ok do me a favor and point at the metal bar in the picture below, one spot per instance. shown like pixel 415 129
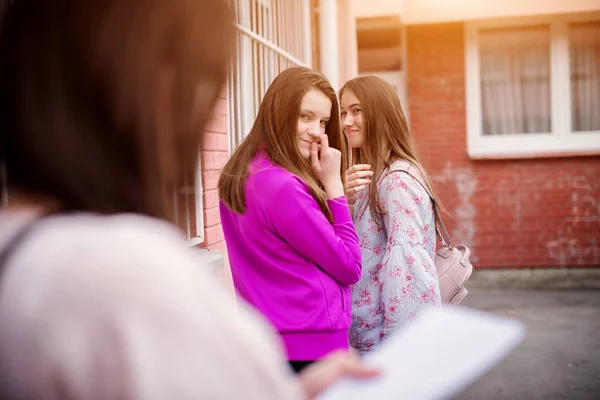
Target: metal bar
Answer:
pixel 186 196
pixel 175 207
pixel 307 33
pixel 199 203
pixel 256 87
pixel 288 20
pixel 329 41
pixel 271 25
pixel 270 41
pixel 270 45
pixel 264 31
pixel 297 26
pixel 280 34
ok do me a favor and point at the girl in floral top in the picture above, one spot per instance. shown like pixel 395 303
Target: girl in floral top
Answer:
pixel 394 218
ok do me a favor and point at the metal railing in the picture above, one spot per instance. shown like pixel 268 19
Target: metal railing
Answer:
pixel 272 35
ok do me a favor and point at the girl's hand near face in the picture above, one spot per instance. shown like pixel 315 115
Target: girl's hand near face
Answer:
pixel 357 178
pixel 326 163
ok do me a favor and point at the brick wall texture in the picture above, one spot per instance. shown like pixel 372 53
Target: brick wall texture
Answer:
pixel 214 156
pixel 539 212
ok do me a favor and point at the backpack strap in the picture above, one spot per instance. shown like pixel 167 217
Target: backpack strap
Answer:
pixel 440 228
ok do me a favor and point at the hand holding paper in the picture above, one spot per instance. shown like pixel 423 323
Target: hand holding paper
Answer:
pixel 440 354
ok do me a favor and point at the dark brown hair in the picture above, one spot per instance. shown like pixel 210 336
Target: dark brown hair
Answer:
pixel 103 103
pixel 387 135
pixel 274 131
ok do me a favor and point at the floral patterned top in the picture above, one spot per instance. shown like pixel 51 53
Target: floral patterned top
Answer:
pixel 399 278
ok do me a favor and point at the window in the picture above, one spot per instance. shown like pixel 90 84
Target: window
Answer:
pixel 187 207
pixel 382 52
pixel 584 63
pixel 533 86
pixel 272 35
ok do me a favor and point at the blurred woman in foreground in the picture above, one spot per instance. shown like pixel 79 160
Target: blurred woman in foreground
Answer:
pixel 102 106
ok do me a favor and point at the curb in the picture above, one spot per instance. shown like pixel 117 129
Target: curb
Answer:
pixel 536 278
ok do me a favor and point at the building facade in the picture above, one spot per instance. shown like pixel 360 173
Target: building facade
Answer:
pixel 503 98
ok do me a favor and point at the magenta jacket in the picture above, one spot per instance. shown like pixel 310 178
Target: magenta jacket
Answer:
pixel 291 263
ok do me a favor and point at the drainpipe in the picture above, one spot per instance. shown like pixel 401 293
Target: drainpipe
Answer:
pixel 328 29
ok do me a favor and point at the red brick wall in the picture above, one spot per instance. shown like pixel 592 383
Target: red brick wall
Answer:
pixel 511 213
pixel 214 156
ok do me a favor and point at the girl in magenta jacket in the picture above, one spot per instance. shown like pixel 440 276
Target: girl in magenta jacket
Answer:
pixel 292 246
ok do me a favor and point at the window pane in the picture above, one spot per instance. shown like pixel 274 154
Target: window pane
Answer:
pixel 515 80
pixel 279 22
pixel 584 54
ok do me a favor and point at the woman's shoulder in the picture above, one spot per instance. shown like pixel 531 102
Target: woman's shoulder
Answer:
pixel 127 230
pixel 402 175
pixel 403 166
pixel 106 264
pixel 83 245
pixel 132 280
pixel 83 226
pixel 99 261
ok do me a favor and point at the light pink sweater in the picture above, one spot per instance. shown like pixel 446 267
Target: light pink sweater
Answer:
pixel 119 308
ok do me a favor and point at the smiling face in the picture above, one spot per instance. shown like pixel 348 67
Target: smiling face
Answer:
pixel 315 112
pixel 352 120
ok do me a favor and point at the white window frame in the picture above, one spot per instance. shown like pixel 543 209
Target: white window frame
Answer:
pixel 199 209
pixel 561 141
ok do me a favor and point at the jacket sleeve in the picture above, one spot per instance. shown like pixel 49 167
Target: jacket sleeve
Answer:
pixel 333 247
pixel 409 278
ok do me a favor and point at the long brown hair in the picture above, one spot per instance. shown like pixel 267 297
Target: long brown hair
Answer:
pixel 388 137
pixel 103 103
pixel 274 132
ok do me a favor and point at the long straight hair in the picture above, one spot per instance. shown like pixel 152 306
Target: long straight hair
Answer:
pixel 103 103
pixel 275 132
pixel 388 138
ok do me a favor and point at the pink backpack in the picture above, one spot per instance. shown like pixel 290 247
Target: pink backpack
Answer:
pixel 451 262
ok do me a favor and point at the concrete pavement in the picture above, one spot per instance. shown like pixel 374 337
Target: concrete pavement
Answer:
pixel 560 356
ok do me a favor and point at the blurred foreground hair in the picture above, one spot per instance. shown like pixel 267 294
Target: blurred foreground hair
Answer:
pixel 103 102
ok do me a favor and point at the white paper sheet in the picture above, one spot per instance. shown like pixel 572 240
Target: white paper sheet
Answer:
pixel 440 354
